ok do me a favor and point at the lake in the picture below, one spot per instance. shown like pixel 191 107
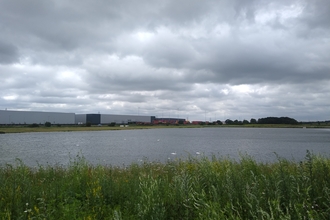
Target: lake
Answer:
pixel 133 146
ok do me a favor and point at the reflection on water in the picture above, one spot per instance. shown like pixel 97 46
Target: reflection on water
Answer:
pixel 126 147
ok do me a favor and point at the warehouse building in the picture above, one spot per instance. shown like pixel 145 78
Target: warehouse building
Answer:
pixel 96 119
pixel 31 117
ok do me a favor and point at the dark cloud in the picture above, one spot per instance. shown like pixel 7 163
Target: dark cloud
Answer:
pixel 316 14
pixel 8 53
pixel 197 59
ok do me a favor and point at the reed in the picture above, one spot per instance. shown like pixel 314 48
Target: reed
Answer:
pixel 197 188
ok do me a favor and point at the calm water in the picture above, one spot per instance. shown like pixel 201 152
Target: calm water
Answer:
pixel 125 147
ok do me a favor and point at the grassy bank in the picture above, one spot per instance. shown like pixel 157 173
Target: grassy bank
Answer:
pixel 216 188
pixel 25 129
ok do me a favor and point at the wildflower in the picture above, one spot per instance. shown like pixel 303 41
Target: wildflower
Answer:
pixel 36 209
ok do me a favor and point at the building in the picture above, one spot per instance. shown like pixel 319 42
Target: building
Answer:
pixel 96 119
pixel 198 122
pixel 30 117
pixel 169 121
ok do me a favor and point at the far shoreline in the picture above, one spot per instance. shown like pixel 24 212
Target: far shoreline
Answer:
pixel 74 128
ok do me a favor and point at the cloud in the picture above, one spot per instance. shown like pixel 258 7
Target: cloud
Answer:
pixel 8 53
pixel 194 59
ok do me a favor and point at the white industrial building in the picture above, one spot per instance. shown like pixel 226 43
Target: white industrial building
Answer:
pixel 110 118
pixel 31 117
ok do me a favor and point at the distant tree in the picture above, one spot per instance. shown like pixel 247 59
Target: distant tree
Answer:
pixel 229 122
pixel 88 124
pixel 276 120
pixel 253 121
pixel 219 122
pixel 237 122
pixel 245 122
pixel 48 124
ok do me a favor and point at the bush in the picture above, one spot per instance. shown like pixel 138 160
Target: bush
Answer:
pixel 219 122
pixel 34 125
pixel 48 124
pixel 112 124
pixel 88 124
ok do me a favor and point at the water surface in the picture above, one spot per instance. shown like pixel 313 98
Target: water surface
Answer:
pixel 128 146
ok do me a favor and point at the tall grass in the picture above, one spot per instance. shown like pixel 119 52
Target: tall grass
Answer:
pixel 216 188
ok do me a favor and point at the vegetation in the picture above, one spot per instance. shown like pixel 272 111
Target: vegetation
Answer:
pixel 268 120
pixel 66 128
pixel 112 124
pixel 48 124
pixel 34 125
pixel 216 188
pixel 275 120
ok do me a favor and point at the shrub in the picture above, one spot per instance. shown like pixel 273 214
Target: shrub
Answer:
pixel 34 125
pixel 88 124
pixel 48 124
pixel 112 124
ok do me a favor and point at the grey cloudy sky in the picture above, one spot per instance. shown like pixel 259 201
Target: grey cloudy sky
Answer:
pixel 212 59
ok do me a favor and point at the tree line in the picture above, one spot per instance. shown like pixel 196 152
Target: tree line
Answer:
pixel 267 120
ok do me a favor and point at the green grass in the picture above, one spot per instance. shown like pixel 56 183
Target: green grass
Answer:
pixel 216 188
pixel 24 129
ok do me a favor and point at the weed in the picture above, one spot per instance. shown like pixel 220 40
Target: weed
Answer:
pixel 203 188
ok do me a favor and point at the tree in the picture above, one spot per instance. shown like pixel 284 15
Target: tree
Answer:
pixel 237 122
pixel 88 124
pixel 276 120
pixel 48 124
pixel 229 122
pixel 245 122
pixel 253 121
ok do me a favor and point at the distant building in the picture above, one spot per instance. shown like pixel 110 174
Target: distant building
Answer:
pixel 169 121
pixel 31 117
pixel 96 119
pixel 197 122
pixel 38 117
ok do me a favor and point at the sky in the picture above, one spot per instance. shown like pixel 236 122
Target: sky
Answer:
pixel 198 60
